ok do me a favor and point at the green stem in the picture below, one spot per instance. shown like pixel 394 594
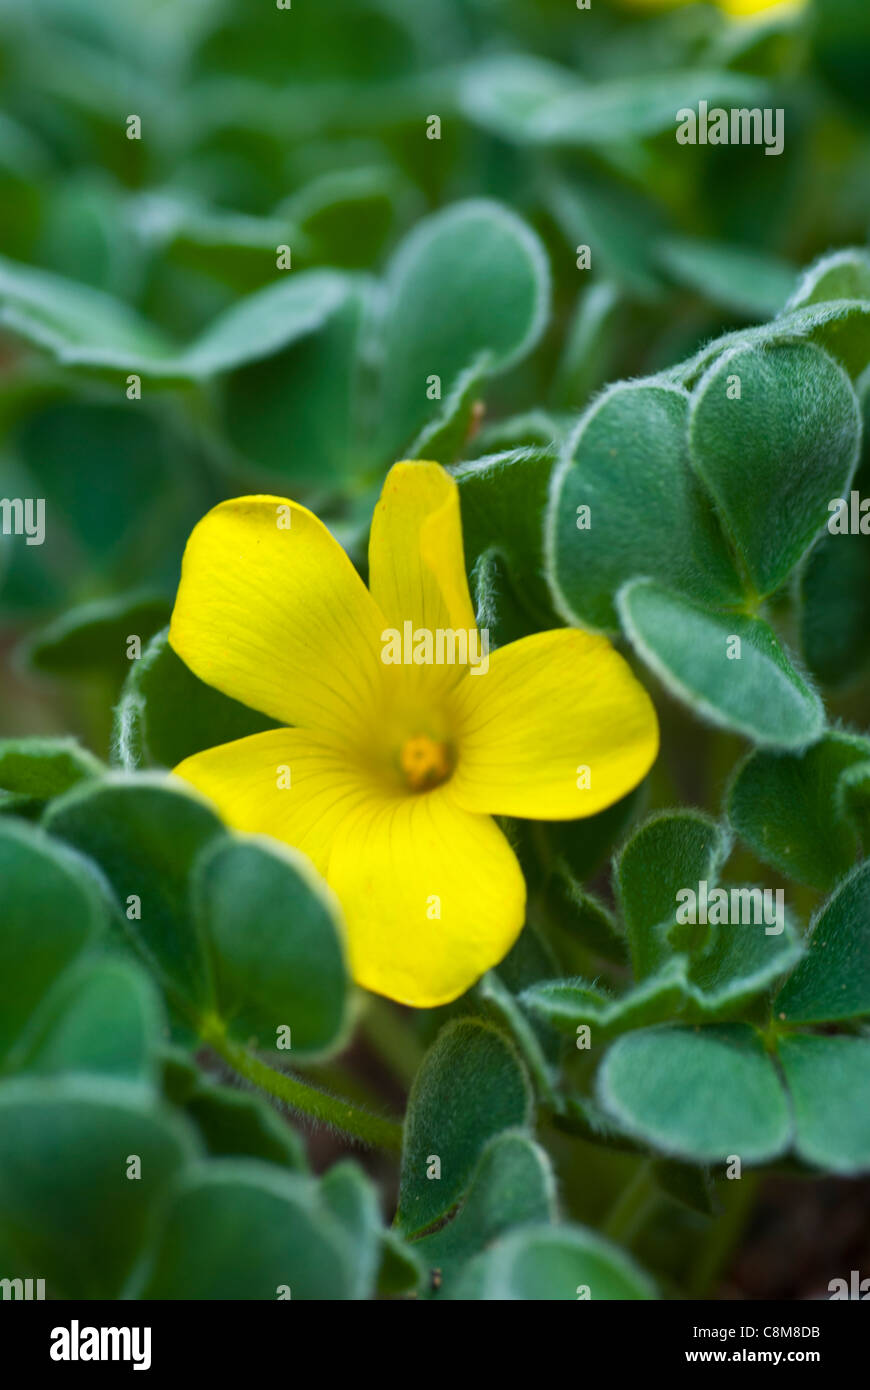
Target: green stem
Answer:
pixel 632 1206
pixel 309 1100
pixel 724 1237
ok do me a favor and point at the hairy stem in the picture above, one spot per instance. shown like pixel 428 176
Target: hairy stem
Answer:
pixel 326 1109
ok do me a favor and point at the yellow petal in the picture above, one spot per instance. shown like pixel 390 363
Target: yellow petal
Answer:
pixel 433 897
pixel 416 557
pixel 549 707
pixel 276 616
pixel 285 782
pixel 743 8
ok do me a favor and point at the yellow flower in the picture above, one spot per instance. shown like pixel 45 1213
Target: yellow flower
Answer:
pixel 739 9
pixel 391 774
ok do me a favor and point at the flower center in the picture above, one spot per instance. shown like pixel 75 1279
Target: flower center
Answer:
pixel 425 762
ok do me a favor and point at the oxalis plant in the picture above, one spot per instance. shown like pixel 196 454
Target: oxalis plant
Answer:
pixel 350 820
pixel 460 891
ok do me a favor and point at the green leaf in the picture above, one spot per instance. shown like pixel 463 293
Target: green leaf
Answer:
pixel 44 767
pixel 76 323
pixel 840 327
pixel 69 1213
pixel 773 457
pixel 835 586
pixel 746 281
pixel 512 1186
pixel 505 92
pixel 238 1229
pixel 51 910
pixel 835 607
pixel 468 280
pixel 238 1124
pixel 467 1058
pixel 569 1004
pixel 147 487
pixel 502 499
pixel 833 979
pixel 670 851
pixel 627 462
pixel 401 1270
pixel 582 916
pixel 273 939
pixel 590 346
pixel 840 33
pixel 83 327
pixel 829 1082
pixel 618 226
pixel 604 113
pixel 497 607
pixel 840 275
pixel 499 1000
pixel 584 845
pixel 760 695
pixel 698 1094
pixel 346 215
pixel 352 1198
pixel 102 1018
pixel 166 713
pixel 94 636
pixel 784 805
pixel 532 429
pixel 235 248
pixel 444 437
pixel 294 414
pixel 557 1263
pixel 144 832
pixel 179 1074
pixel 745 956
pixel 853 799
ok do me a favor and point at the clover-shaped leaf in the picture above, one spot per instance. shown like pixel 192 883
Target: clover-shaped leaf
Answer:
pixel 39 768
pixel 833 980
pixel 468 280
pixel 554 1264
pixel 239 1124
pixel 94 1124
pixel 166 713
pixel 144 834
pixel 84 327
pixel 623 493
pixel 671 851
pixel 784 805
pixel 52 909
pixel 698 1094
pixel 774 435
pixel 273 939
pixel 442 1136
pixel 730 669
pixel 513 1185
pixel 828 1079
pixel 103 1018
pixel 241 1229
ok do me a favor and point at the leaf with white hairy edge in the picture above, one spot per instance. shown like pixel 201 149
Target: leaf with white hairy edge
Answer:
pixel 625 502
pixel 774 434
pixel 470 279
pixel 761 695
pixel 697 1093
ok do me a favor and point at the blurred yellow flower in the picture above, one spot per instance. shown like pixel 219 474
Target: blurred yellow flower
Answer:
pixel 739 9
pixel 397 761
